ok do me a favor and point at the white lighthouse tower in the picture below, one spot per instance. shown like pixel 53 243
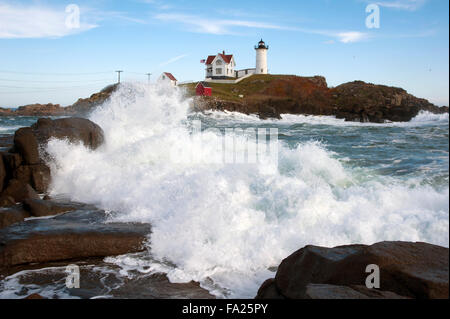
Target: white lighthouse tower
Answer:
pixel 261 57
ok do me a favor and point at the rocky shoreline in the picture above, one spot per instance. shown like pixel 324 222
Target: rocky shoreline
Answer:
pixel 82 107
pixel 358 101
pixel 269 96
pixel 37 231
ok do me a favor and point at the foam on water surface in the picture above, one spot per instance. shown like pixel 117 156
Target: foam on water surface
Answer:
pixel 224 225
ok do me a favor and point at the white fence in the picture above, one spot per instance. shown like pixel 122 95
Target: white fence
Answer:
pixel 228 81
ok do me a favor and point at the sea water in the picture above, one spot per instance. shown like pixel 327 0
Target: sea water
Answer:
pixel 227 225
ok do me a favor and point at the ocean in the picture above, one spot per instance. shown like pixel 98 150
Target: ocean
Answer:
pixel 228 224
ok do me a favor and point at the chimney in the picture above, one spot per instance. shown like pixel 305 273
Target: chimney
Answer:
pixel 223 52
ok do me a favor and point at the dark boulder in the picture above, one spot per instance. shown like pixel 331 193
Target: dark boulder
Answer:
pixel 269 290
pixel 416 270
pixel 6 200
pixel 2 173
pixel 74 129
pixel 24 162
pixel 323 291
pixel 12 215
pixel 11 161
pixel 38 176
pixel 25 143
pixel 40 207
pixel 20 191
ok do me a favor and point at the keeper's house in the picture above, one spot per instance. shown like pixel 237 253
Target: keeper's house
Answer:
pixel 220 66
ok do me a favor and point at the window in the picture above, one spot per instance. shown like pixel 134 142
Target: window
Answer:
pixel 262 70
pixel 219 71
pixel 219 62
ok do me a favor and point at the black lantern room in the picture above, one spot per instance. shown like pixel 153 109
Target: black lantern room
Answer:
pixel 261 45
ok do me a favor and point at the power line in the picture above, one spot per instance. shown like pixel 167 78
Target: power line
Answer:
pixel 57 74
pixel 56 81
pixel 44 88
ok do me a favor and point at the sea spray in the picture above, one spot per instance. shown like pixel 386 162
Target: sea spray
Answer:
pixel 226 224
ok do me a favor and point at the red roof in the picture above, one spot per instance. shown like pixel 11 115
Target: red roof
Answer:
pixel 170 76
pixel 204 84
pixel 226 57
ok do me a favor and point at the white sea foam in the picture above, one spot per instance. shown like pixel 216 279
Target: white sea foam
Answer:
pixel 423 118
pixel 224 225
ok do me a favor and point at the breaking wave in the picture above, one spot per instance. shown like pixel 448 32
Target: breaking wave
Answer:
pixel 225 225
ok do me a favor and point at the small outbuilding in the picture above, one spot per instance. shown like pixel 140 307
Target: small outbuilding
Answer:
pixel 167 77
pixel 203 89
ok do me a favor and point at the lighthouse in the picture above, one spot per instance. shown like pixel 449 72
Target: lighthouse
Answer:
pixel 261 57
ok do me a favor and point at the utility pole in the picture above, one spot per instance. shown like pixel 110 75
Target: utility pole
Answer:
pixel 118 76
pixel 149 75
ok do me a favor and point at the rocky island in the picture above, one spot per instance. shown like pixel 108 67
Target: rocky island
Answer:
pixel 269 96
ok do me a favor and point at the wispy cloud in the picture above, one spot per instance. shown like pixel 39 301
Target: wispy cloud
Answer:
pixel 172 60
pixel 340 36
pixel 19 21
pixel 212 26
pixel 228 26
pixel 161 5
pixel 410 5
pixel 351 36
pixel 100 15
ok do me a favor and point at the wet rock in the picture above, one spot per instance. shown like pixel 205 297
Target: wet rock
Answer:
pixel 74 129
pixel 12 215
pixel 25 143
pixel 74 235
pixel 99 279
pixel 40 208
pixel 20 191
pixel 2 174
pixel 269 290
pixel 23 162
pixel 6 200
pixel 416 270
pixel 11 161
pixel 38 176
pixel 323 291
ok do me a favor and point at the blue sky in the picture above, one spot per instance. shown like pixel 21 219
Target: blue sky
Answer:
pixel 43 60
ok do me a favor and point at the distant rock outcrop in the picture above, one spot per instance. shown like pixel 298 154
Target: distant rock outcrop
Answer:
pixel 269 96
pixel 407 270
pixel 80 108
pixel 365 102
